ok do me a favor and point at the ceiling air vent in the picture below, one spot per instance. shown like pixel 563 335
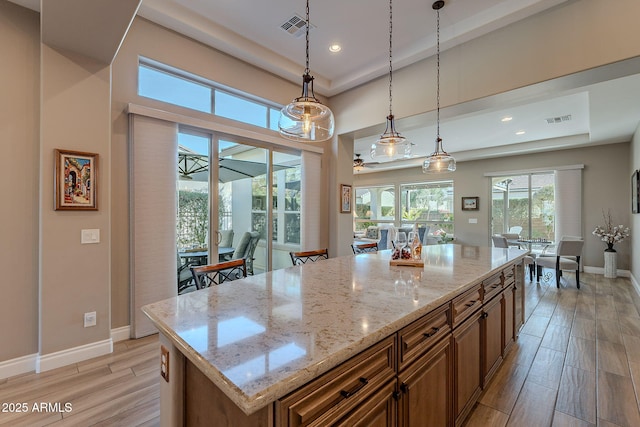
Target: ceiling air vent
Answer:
pixel 558 119
pixel 295 26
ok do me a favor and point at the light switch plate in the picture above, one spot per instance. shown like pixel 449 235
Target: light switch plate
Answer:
pixel 164 363
pixel 90 236
pixel 473 220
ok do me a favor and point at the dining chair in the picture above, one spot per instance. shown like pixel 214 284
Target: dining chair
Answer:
pixel 567 257
pixel 302 257
pixel 215 274
pixel 362 248
pixel 502 242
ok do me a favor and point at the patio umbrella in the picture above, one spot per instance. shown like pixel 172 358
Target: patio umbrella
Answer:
pixel 196 167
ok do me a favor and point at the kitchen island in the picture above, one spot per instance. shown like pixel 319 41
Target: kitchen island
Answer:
pixel 254 351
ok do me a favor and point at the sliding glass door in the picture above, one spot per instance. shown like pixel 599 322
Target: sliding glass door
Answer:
pixel 524 204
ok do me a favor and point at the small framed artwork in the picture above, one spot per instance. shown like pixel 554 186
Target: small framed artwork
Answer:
pixel 345 198
pixel 75 181
pixel 470 203
pixel 635 192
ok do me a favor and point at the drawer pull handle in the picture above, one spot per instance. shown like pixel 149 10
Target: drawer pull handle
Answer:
pixel 485 315
pixel 347 394
pixel 469 304
pixel 431 333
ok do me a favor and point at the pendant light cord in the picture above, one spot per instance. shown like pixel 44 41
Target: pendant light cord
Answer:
pixel 390 55
pixel 438 74
pixel 307 70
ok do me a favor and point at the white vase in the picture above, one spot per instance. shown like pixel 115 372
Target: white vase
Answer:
pixel 610 265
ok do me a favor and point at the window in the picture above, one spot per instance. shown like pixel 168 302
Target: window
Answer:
pixel 160 85
pixel 166 84
pixel 429 203
pixel 524 204
pixel 374 206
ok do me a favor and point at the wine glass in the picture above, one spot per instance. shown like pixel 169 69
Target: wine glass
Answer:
pixel 401 239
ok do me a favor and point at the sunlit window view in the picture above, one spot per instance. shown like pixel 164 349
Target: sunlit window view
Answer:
pixel 524 205
pixel 249 211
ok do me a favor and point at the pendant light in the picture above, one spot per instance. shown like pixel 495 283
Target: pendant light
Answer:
pixel 358 163
pixel 391 145
pixel 439 161
pixel 305 118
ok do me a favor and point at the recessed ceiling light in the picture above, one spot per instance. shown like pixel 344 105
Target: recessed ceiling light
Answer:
pixel 335 48
pixel 520 132
pixel 507 119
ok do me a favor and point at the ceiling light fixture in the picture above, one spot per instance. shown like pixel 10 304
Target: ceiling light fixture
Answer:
pixel 439 161
pixel 391 145
pixel 358 163
pixel 305 118
pixel 506 119
pixel 335 48
pixel 520 132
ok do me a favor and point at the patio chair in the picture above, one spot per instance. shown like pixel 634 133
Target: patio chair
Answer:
pixel 184 275
pixel 215 274
pixel 246 248
pixel 302 257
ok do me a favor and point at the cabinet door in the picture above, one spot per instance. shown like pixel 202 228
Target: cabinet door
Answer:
pixel 519 297
pixel 425 389
pixel 491 338
pixel 380 410
pixel 509 319
pixel 467 369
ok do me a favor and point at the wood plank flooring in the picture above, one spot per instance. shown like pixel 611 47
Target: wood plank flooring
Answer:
pixel 576 363
pixel 119 389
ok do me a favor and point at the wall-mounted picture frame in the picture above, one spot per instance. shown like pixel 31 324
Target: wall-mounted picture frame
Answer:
pixel 75 181
pixel 345 198
pixel 470 203
pixel 635 192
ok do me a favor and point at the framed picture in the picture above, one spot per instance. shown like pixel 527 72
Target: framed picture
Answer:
pixel 470 203
pixel 345 198
pixel 635 192
pixel 75 181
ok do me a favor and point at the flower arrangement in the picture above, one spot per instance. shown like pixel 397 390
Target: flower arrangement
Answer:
pixel 611 234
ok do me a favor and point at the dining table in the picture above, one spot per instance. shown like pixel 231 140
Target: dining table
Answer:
pixel 200 257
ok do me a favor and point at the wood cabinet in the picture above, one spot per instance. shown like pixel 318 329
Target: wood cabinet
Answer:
pixel 509 303
pixel 492 336
pixel 466 359
pixel 425 389
pixel 379 410
pixel 332 396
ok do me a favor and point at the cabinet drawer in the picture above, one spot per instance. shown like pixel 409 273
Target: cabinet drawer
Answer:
pixel 462 306
pixel 422 334
pixel 509 275
pixel 335 393
pixel 491 287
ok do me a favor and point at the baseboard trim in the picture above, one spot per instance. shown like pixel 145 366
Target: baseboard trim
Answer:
pixel 73 355
pixel 121 334
pixel 17 366
pixel 600 271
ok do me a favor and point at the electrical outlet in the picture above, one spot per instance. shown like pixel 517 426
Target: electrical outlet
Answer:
pixel 90 319
pixel 164 363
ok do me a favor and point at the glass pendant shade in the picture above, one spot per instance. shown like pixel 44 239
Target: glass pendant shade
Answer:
pixel 391 145
pixel 306 118
pixel 439 161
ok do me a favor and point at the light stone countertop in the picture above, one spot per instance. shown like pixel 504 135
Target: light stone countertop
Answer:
pixel 262 337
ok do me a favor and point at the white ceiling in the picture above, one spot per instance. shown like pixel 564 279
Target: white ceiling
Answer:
pixel 603 105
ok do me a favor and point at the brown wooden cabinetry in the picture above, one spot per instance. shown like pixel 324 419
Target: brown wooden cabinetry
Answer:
pixel 491 338
pixel 379 410
pixel 509 303
pixel 466 370
pixel 425 389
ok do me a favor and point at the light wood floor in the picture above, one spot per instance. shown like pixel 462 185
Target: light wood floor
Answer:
pixel 576 363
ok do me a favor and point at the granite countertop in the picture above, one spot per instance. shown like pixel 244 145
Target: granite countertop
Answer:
pixel 262 337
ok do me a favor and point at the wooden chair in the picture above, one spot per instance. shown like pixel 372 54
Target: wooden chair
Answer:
pixel 215 274
pixel 362 248
pixel 299 258
pixel 567 258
